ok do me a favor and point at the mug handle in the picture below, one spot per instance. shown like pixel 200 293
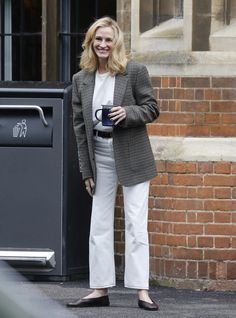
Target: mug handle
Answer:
pixel 96 114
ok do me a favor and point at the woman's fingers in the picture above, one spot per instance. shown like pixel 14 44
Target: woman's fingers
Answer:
pixel 117 114
pixel 89 185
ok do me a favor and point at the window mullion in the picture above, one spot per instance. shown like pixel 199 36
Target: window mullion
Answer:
pixel 7 41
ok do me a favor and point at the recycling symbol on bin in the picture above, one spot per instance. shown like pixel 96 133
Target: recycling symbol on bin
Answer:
pixel 20 129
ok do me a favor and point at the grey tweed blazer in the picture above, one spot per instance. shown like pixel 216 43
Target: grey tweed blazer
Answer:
pixel 134 159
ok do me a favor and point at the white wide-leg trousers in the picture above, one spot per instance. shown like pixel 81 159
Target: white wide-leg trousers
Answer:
pixel 101 241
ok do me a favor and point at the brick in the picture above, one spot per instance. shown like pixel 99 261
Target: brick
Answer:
pixel 231 270
pixel 161 165
pixel 228 119
pixel 223 131
pixel 164 107
pixel 188 204
pixel 223 107
pixel 234 217
pixel 234 167
pixel 191 269
pixel 199 119
pixel 181 167
pixel 205 241
pixel 218 229
pixel 185 180
pixel 222 242
pixel 157 251
pixel 173 192
pixel 165 93
pixel 222 167
pixel 213 94
pixel 178 81
pixel 166 118
pixel 222 193
pixel 172 106
pixel 172 82
pixel 234 193
pixel 158 239
pixel 205 192
pixel 204 217
pixel 151 203
pixel 233 242
pixel 175 269
pixel 166 227
pixel 195 106
pixel 220 255
pixel 195 82
pixel 178 106
pixel 227 82
pixel 165 251
pixel 199 94
pixel 195 131
pixel 184 94
pixel 174 216
pixel 192 241
pixel 220 205
pixel 219 180
pixel 161 179
pixel 188 229
pixel 212 119
pixel 202 270
pixel 187 253
pixel 212 270
pixel 221 270
pixel 229 94
pixel 156 81
pixel 176 240
pixel 192 192
pixel 182 118
pixel 164 81
pixel 191 217
pixel 152 226
pixel 162 130
pixel 222 217
pixel 205 167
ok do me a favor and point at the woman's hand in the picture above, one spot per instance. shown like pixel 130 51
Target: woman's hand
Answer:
pixel 117 114
pixel 89 185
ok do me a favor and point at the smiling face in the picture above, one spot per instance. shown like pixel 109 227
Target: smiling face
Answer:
pixel 103 43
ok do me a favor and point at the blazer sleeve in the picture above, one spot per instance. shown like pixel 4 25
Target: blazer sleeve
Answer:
pixel 146 109
pixel 80 131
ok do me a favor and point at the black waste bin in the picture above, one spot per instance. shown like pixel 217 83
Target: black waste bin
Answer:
pixel 44 209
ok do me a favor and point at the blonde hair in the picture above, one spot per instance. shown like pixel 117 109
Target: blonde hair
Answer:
pixel 117 61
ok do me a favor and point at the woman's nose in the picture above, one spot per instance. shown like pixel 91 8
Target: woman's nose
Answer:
pixel 103 43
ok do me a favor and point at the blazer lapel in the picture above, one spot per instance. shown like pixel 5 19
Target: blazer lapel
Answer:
pixel 87 98
pixel 120 87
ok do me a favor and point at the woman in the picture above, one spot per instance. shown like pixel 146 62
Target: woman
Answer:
pixel 111 154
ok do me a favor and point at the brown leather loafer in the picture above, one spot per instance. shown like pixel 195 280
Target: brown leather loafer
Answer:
pixel 102 301
pixel 148 306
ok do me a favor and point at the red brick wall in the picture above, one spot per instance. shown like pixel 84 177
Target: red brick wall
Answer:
pixel 192 217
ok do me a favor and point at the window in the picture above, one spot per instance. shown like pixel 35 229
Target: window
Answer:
pixel 75 19
pixel 154 12
pixel 41 39
pixel 21 27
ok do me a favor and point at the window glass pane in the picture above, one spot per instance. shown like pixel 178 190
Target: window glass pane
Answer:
pixel 81 17
pixel 26 58
pixel 26 15
pixel 26 45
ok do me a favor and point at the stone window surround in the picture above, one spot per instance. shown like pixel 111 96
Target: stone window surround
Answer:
pixel 176 52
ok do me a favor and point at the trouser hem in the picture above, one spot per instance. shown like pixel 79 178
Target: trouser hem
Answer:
pixel 104 286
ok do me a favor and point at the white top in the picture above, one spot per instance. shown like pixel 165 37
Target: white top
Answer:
pixel 103 95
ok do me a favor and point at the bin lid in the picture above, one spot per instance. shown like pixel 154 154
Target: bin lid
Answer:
pixel 34 88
